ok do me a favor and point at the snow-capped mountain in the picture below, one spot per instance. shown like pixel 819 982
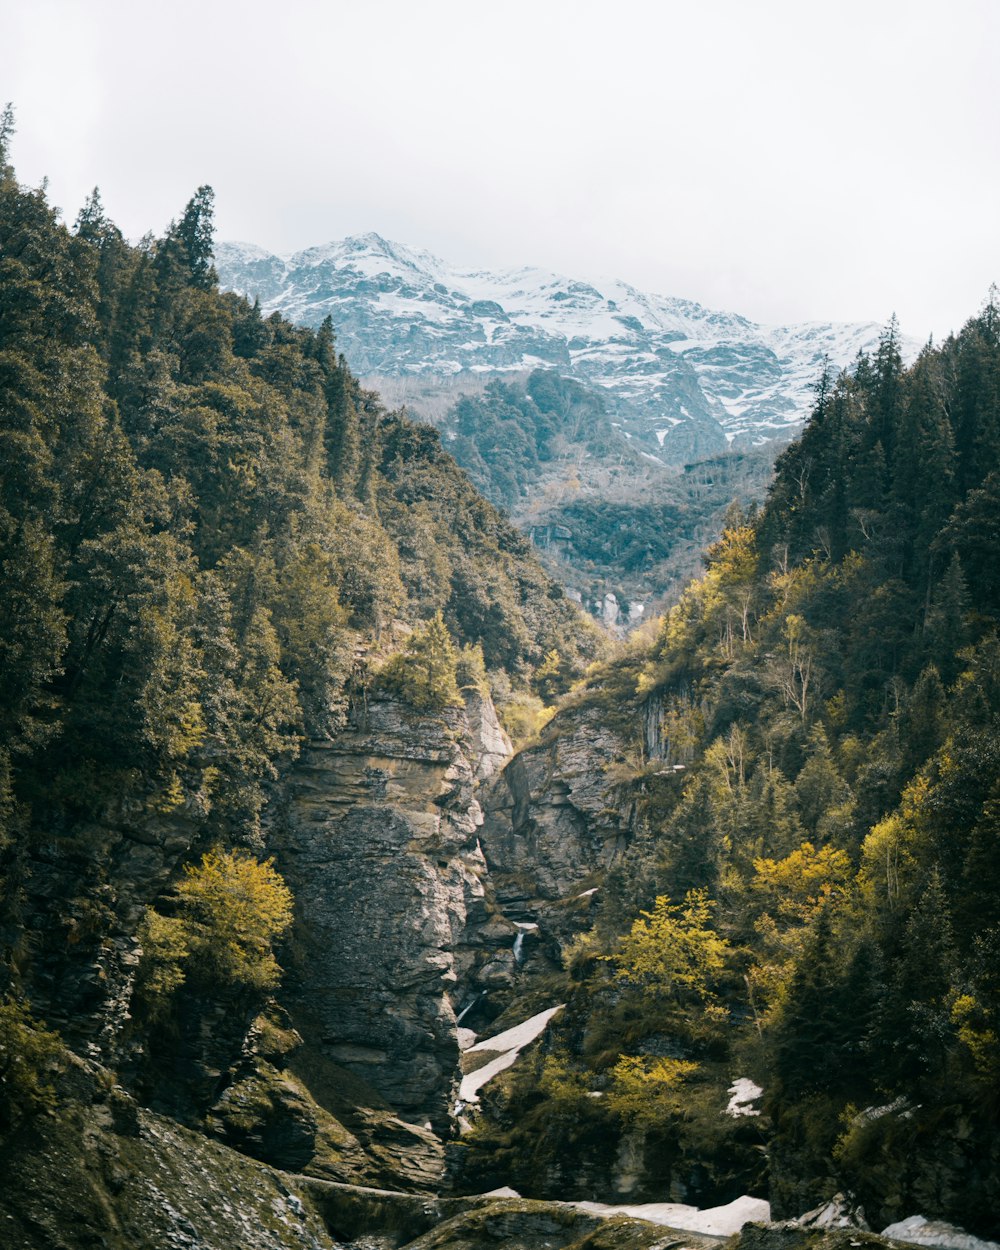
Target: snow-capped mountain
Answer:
pixel 681 380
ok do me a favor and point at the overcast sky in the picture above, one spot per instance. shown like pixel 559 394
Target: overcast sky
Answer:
pixel 779 158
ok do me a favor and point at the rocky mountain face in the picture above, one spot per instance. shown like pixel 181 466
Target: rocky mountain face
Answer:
pixel 408 900
pixel 681 382
pixel 548 822
pixel 411 906
pixel 378 840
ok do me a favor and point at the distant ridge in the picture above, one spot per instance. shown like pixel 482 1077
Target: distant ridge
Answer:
pixel 681 380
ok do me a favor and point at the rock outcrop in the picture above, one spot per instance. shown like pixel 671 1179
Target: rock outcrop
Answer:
pixel 104 1172
pixel 550 820
pixel 72 935
pixel 377 837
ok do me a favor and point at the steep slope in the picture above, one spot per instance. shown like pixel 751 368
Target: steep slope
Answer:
pixel 621 532
pixel 681 380
pixel 219 557
pixel 765 850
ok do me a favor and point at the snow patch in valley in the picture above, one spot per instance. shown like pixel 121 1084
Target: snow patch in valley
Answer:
pixel 742 1094
pixel 715 1221
pixel 510 1044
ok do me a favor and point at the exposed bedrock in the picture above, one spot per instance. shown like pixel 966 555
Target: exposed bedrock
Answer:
pixel 551 818
pixel 377 837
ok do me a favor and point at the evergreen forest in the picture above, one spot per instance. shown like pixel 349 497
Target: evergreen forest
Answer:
pixel 812 894
pixel 218 550
pixel 211 535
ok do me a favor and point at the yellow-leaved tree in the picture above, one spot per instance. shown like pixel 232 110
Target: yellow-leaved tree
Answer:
pixel 786 896
pixel 232 908
pixel 672 952
pixel 671 957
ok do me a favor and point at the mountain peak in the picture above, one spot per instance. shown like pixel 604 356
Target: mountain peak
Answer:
pixel 680 379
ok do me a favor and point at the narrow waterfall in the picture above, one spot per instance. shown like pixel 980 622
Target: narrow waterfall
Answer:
pixel 523 929
pixel 469 1006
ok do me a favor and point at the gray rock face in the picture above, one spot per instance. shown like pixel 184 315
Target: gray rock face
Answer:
pixel 378 842
pixel 549 822
pixel 82 902
pixel 103 1172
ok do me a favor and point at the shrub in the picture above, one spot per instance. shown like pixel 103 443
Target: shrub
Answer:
pixel 671 951
pixel 28 1051
pixel 644 1090
pixel 524 717
pixel 233 908
pixel 165 947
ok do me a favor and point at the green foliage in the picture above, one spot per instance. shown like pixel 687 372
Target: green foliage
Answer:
pixel 425 673
pixel 671 952
pixel 28 1054
pixel 205 524
pixel 470 669
pixel 524 716
pixel 165 946
pixel 647 1092
pixel 233 909
pixel 507 436
pixel 553 677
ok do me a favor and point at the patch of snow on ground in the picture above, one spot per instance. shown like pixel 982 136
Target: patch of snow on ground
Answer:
pixel 871 1114
pixel 715 1221
pixel 841 1211
pixel 923 1232
pixel 510 1044
pixel 742 1093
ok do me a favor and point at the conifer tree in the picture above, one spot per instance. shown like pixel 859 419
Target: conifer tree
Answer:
pixel 186 253
pixel 7 130
pixel 424 672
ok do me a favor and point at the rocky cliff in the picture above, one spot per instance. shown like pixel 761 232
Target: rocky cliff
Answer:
pixel 551 822
pixel 377 837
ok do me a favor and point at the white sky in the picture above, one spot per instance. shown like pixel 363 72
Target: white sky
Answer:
pixel 784 159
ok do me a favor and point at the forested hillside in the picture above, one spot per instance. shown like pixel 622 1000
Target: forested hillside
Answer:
pixel 607 518
pixel 204 517
pixel 212 541
pixel 811 777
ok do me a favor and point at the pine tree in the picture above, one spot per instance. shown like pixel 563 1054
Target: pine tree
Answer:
pixel 7 130
pixel 342 431
pixel 423 674
pixel 186 252
pixel 914 1021
pixel 807 1036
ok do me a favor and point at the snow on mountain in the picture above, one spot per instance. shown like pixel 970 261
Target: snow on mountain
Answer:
pixel 683 380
